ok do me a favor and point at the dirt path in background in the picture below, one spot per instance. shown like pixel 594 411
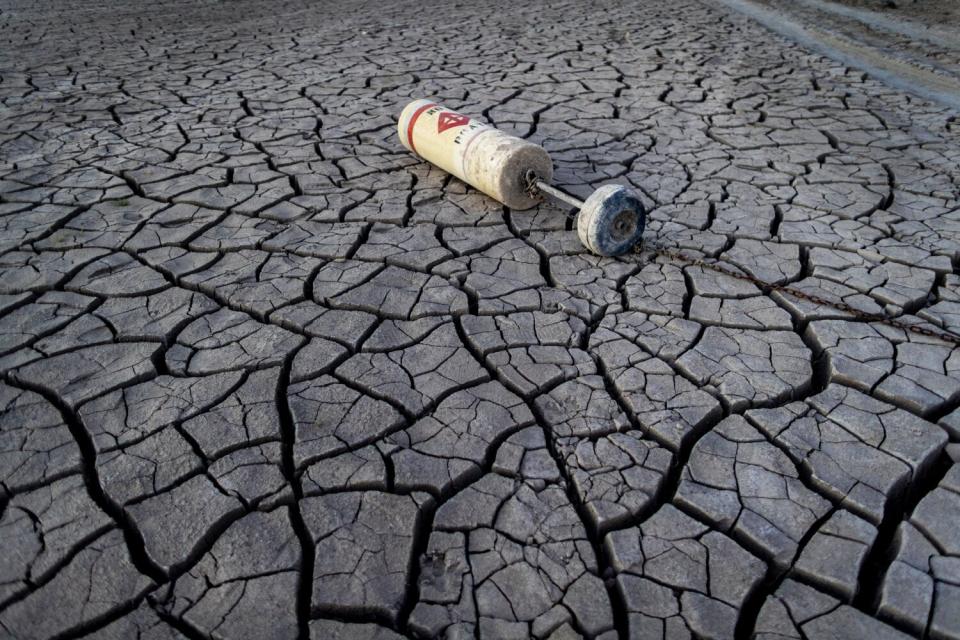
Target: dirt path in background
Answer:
pixel 894 54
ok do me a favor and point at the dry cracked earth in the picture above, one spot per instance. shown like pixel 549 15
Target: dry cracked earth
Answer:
pixel 267 375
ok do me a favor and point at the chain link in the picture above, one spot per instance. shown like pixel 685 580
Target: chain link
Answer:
pixel 677 256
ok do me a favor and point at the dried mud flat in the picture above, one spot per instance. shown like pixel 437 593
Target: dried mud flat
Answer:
pixel 266 375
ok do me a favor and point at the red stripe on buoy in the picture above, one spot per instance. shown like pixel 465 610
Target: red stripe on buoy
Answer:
pixel 413 121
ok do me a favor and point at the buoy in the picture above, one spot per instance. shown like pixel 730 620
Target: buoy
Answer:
pixel 488 159
pixel 516 173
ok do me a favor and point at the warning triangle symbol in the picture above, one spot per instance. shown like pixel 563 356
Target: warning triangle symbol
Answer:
pixel 449 119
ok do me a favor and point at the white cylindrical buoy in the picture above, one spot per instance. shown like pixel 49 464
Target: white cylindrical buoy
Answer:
pixel 490 160
pixel 517 173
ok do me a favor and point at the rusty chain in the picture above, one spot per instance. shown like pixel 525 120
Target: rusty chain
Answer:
pixel 531 178
pixel 719 267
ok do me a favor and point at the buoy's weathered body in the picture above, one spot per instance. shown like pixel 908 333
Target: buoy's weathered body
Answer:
pixel 480 155
pixel 516 172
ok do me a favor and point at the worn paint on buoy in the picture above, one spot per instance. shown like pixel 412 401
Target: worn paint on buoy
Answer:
pixel 488 159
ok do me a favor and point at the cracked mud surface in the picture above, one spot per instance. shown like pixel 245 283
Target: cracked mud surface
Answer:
pixel 265 374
